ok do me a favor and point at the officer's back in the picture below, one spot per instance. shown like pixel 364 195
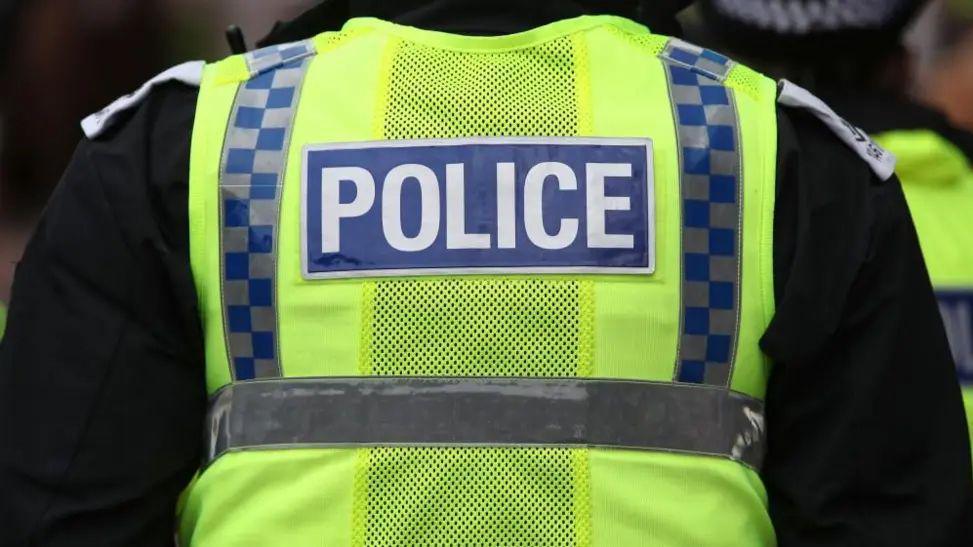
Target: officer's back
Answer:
pixel 499 290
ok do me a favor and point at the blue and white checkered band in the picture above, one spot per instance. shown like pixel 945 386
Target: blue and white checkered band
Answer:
pixel 702 61
pixel 251 183
pixel 711 189
pixel 275 57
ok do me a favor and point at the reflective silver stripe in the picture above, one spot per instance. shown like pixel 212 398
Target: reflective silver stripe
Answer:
pixel 711 188
pixel 393 411
pixel 251 183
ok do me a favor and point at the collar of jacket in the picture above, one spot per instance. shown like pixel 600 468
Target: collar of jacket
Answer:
pixel 473 17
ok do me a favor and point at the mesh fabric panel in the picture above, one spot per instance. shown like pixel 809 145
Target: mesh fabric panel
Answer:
pixel 503 326
pixel 445 93
pixel 747 80
pixel 477 326
pixel 652 43
pixel 474 326
pixel 420 496
pixel 329 40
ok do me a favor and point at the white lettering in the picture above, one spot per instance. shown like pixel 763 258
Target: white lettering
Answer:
pixel 456 235
pixel 332 210
pixel 392 207
pixel 534 205
pixel 506 205
pixel 599 203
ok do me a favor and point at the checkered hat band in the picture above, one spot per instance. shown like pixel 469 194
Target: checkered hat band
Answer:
pixel 807 16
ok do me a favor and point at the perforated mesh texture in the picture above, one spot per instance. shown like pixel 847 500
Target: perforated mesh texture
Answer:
pixel 524 497
pixel 466 326
pixel 652 43
pixel 445 93
pixel 474 327
pixel 503 326
pixel 747 80
pixel 482 326
pixel 329 40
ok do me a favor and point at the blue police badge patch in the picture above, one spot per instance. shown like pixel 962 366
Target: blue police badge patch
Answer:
pixel 956 307
pixel 482 205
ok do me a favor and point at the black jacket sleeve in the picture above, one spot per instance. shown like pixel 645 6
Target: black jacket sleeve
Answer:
pixel 101 371
pixel 866 431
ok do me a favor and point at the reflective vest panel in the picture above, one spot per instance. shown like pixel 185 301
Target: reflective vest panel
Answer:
pixel 497 291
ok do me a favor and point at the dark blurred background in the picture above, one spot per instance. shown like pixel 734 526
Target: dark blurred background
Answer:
pixel 61 60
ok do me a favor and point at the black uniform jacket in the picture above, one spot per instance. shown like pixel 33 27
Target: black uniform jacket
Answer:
pixel 101 373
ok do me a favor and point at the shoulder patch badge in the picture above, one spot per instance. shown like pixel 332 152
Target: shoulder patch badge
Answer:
pixel 190 73
pixel 879 159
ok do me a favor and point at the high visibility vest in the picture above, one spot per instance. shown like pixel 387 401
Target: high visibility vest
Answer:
pixel 483 290
pixel 937 180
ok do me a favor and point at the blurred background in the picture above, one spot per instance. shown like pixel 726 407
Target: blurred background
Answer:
pixel 61 60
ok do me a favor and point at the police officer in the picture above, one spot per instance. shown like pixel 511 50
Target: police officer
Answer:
pixel 544 278
pixel 869 84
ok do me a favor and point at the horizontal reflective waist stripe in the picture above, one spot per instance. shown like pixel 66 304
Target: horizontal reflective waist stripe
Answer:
pixel 434 411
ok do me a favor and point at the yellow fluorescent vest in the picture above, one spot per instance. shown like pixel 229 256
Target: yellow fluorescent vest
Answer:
pixel 488 407
pixel 938 183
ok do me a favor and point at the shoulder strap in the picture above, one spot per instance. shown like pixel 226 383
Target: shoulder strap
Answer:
pixel 880 160
pixel 190 73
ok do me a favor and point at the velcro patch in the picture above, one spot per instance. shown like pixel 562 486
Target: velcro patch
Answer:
pixel 879 159
pixel 484 205
pixel 956 307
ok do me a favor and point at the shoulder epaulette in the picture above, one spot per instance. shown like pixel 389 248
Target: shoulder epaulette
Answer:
pixel 258 62
pixel 880 160
pixel 190 73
